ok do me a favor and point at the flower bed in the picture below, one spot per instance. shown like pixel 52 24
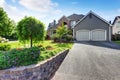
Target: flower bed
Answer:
pixel 19 57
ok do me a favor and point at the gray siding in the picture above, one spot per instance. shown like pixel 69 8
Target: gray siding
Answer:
pixel 91 24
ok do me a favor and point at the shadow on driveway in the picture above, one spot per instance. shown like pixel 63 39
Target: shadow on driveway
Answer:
pixel 105 44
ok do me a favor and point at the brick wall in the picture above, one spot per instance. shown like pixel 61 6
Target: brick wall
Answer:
pixel 41 71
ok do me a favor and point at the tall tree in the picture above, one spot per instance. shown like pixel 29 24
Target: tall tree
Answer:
pixel 30 29
pixel 61 31
pixel 6 24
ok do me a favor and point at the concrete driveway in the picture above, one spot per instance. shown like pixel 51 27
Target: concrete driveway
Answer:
pixel 91 61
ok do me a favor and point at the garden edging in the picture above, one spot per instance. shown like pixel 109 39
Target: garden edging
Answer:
pixel 41 71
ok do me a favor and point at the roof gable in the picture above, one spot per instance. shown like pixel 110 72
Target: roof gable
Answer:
pixel 116 18
pixel 63 17
pixel 94 15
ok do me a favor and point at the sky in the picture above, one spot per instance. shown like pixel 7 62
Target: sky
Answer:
pixel 48 10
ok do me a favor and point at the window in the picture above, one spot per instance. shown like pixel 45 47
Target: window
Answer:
pixel 73 23
pixel 118 32
pixel 54 31
pixel 118 21
pixel 118 24
pixel 65 24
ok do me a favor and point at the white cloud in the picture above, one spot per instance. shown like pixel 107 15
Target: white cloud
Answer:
pixel 38 5
pixel 12 11
pixel 17 14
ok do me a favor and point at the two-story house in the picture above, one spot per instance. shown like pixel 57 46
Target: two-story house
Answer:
pixel 116 25
pixel 69 22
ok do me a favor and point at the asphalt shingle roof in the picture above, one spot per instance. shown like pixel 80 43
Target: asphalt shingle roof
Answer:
pixel 75 17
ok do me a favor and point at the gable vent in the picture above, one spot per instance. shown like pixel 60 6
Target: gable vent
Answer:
pixel 90 15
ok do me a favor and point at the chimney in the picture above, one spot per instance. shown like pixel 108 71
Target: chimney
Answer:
pixel 54 22
pixel 110 22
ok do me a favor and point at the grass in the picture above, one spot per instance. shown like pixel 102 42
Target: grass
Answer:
pixel 16 44
pixel 47 50
pixel 118 42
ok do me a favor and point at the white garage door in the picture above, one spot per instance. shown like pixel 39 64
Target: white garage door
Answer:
pixel 83 35
pixel 98 35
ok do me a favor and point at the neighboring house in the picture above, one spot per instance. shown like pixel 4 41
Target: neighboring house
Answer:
pixel 116 25
pixel 92 28
pixel 69 22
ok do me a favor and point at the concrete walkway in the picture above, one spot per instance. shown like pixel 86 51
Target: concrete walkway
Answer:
pixel 91 61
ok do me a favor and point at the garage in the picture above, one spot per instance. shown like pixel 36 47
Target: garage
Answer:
pixel 83 35
pixel 92 27
pixel 94 35
pixel 98 35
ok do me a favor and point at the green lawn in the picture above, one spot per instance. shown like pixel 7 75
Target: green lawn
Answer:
pixel 118 42
pixel 16 44
pixel 47 50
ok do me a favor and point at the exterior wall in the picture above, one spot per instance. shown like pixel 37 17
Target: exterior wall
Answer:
pixel 91 24
pixel 40 71
pixel 116 27
pixel 64 19
pixel 50 31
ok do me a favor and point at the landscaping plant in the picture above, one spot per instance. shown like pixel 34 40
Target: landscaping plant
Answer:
pixel 30 29
pixel 19 57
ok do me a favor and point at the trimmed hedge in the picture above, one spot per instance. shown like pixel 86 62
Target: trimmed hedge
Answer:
pixel 19 57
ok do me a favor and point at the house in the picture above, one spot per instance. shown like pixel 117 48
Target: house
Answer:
pixel 69 22
pixel 92 28
pixel 116 26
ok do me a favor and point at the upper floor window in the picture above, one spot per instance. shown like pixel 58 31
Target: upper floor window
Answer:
pixel 73 23
pixel 118 24
pixel 65 24
pixel 118 21
pixel 118 32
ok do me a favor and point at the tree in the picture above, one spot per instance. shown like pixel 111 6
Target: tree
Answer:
pixel 6 24
pixel 30 29
pixel 61 31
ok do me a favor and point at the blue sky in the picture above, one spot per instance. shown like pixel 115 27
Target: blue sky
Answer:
pixel 48 10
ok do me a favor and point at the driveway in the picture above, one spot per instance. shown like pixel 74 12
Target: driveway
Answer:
pixel 91 61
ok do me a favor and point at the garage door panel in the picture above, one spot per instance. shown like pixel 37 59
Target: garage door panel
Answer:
pixel 82 35
pixel 98 35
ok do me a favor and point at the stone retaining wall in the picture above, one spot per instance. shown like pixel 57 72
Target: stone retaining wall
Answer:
pixel 41 71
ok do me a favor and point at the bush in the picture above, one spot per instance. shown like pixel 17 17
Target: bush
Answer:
pixel 55 38
pixel 68 37
pixel 0 39
pixel 42 48
pixel 4 47
pixel 19 57
pixel 49 47
pixel 116 37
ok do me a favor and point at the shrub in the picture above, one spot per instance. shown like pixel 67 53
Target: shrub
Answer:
pixel 55 38
pixel 42 48
pixel 68 37
pixel 49 47
pixel 19 57
pixel 0 39
pixel 4 47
